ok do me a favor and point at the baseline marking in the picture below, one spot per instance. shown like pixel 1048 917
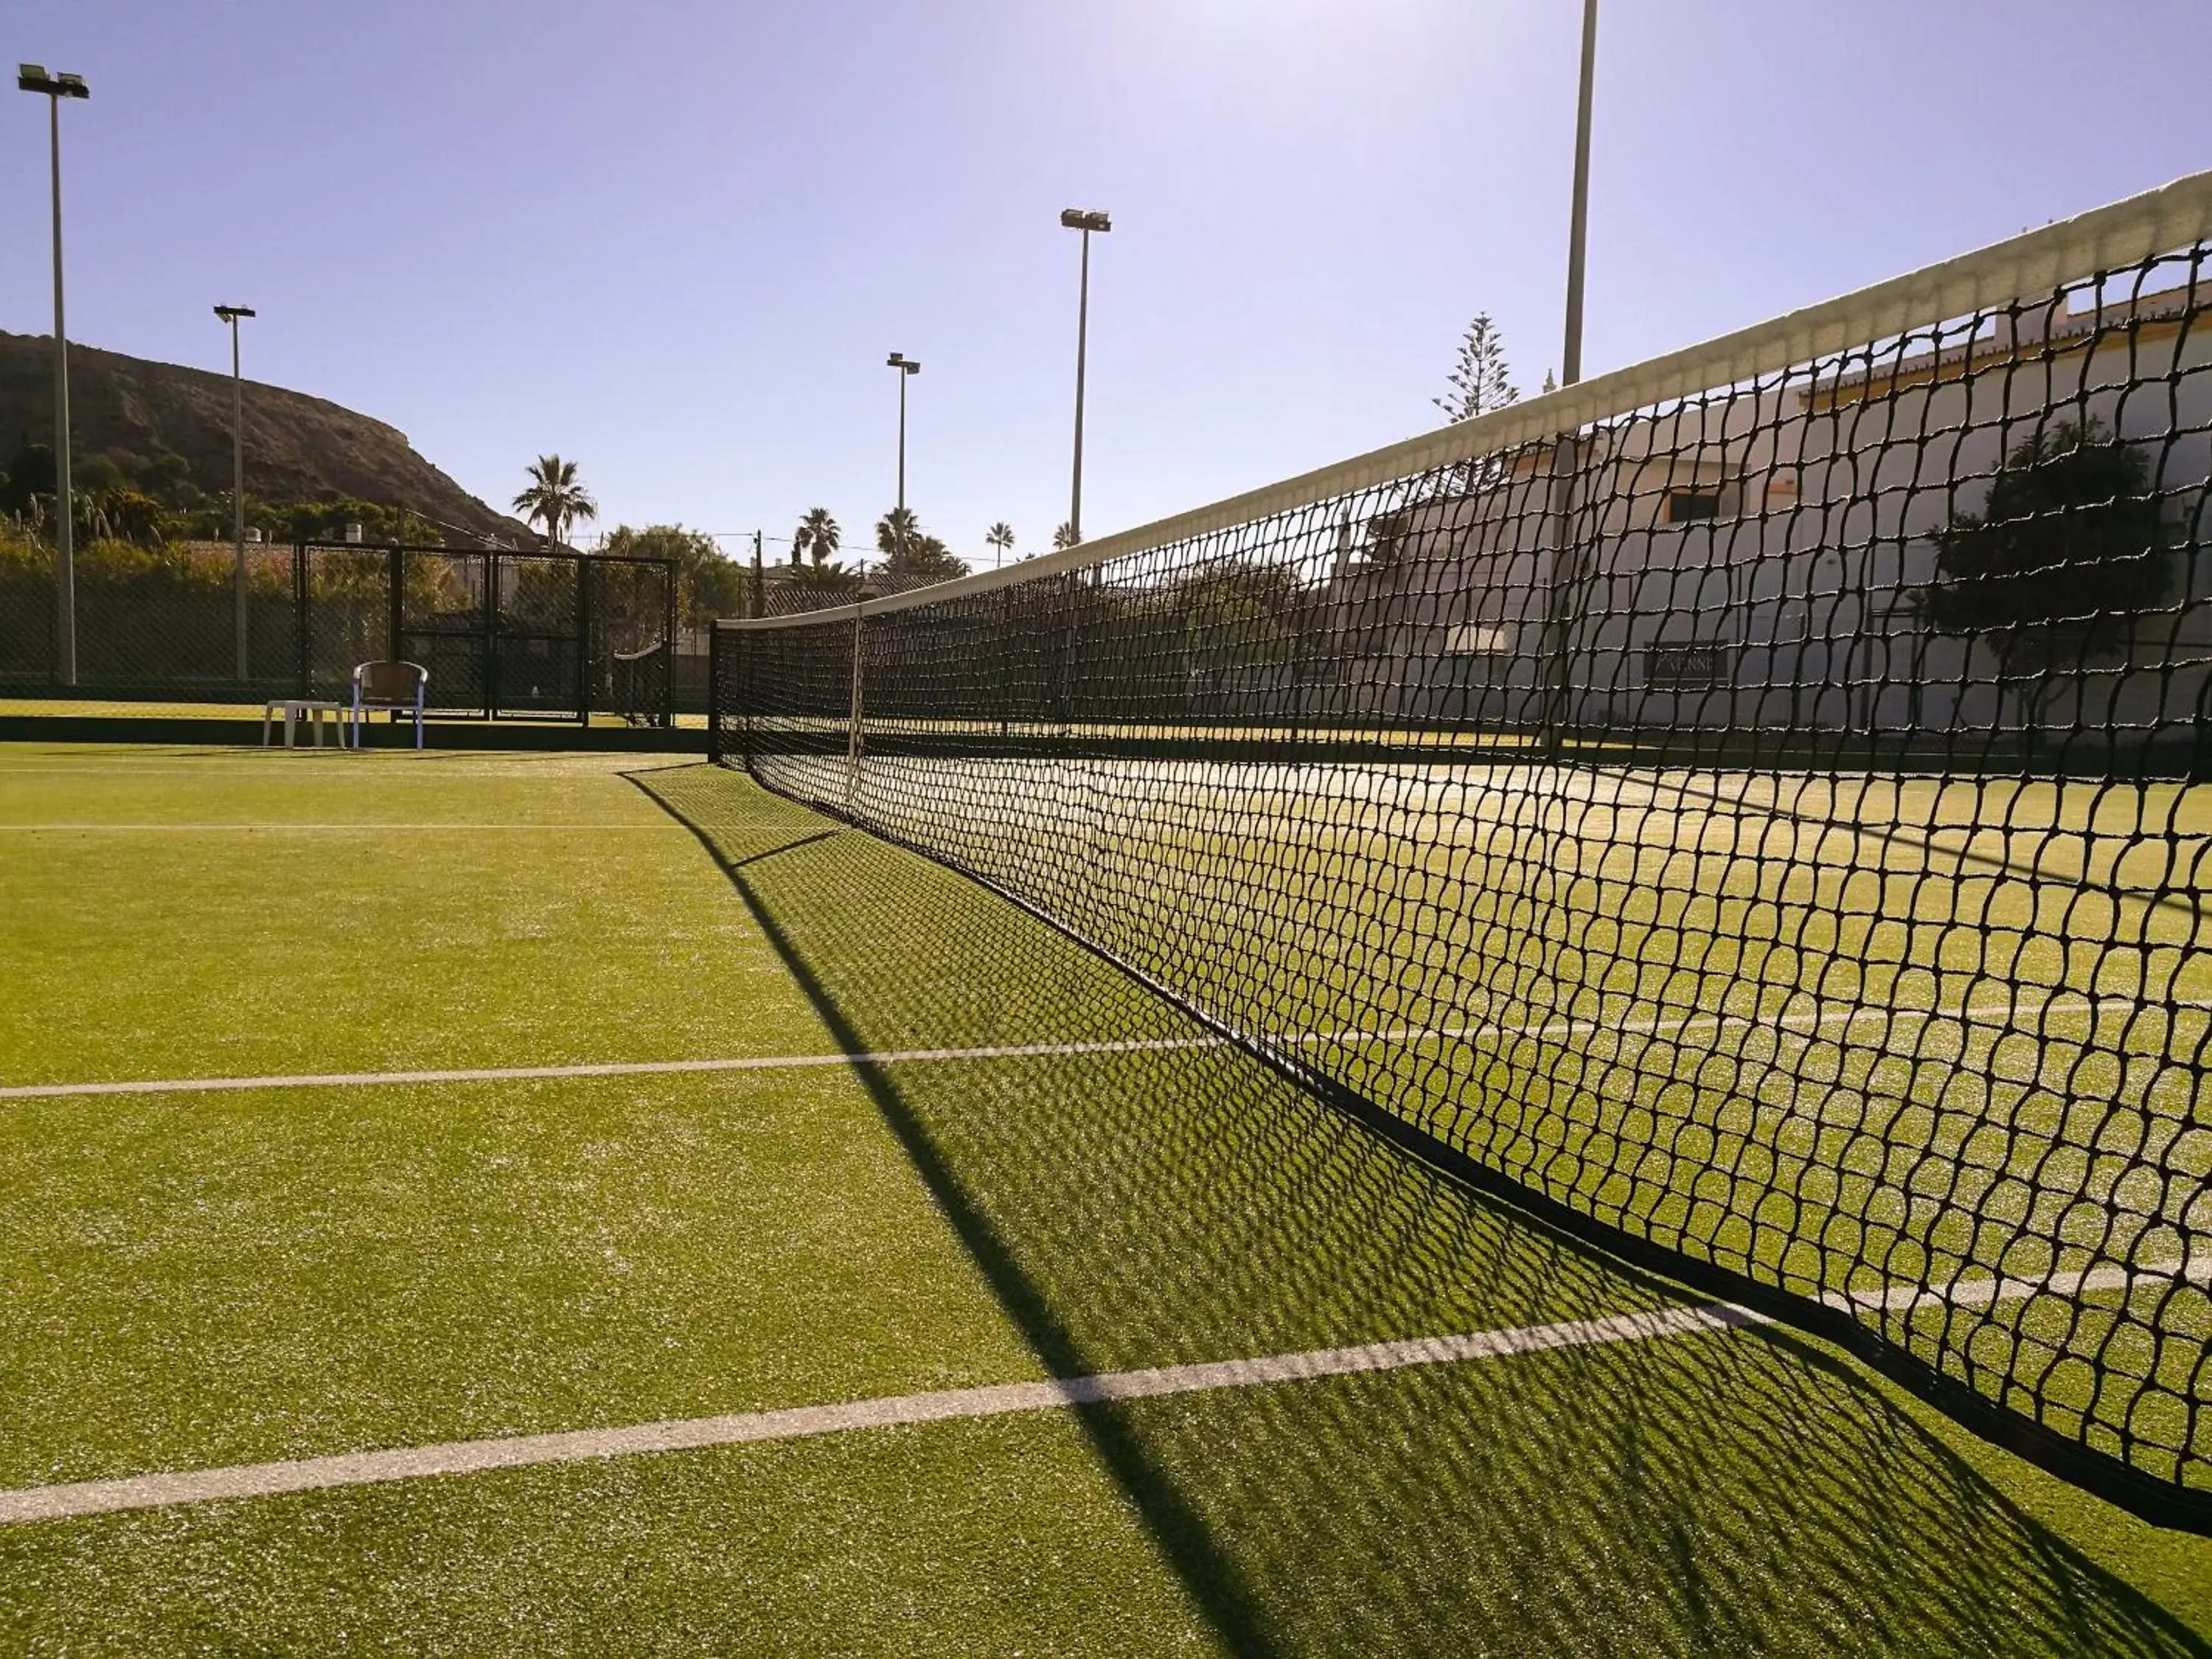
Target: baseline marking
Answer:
pixel 85 1497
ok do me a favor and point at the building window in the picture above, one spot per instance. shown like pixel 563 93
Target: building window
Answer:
pixel 1469 639
pixel 1686 505
pixel 1686 665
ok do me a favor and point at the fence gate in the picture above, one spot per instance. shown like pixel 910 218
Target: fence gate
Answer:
pixel 536 645
pixel 629 645
pixel 441 626
pixel 528 635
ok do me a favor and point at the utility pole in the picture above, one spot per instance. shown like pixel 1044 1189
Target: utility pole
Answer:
pixel 231 314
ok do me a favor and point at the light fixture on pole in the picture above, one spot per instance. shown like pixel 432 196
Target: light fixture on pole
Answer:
pixel 231 314
pixel 907 368
pixel 1570 365
pixel 33 77
pixel 1086 221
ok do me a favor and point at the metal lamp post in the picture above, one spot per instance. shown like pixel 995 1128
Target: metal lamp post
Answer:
pixel 1565 455
pixel 1570 365
pixel 1086 221
pixel 33 77
pixel 907 367
pixel 231 314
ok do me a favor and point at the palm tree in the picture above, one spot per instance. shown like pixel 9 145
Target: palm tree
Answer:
pixel 817 534
pixel 999 538
pixel 925 559
pixel 554 498
pixel 1065 537
pixel 896 529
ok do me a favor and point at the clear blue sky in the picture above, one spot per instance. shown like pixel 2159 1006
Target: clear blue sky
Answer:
pixel 674 238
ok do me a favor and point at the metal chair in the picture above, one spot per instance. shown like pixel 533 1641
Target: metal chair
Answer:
pixel 395 685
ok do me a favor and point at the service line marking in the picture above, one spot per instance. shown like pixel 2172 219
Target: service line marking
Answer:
pixel 309 828
pixel 86 1497
pixel 609 1068
pixel 1676 1024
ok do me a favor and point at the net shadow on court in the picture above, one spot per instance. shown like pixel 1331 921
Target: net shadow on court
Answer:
pixel 1742 1492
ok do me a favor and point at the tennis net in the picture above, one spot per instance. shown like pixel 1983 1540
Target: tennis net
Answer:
pixel 1741 807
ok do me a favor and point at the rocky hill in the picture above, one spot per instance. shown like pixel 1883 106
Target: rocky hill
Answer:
pixel 298 448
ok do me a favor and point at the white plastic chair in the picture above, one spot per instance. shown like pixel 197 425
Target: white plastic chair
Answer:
pixel 395 685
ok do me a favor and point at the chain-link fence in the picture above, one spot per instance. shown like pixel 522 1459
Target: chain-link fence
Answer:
pixel 201 629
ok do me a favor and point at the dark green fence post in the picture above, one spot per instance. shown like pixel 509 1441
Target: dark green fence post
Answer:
pixel 398 577
pixel 491 637
pixel 301 624
pixel 668 647
pixel 583 640
pixel 713 693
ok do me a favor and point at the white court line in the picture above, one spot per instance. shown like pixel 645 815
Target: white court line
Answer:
pixel 1985 1293
pixel 289 829
pixel 84 1498
pixel 611 1068
pixel 1550 1032
pixel 778 1062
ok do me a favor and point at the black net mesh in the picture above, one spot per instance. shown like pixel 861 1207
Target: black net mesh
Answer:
pixel 1758 825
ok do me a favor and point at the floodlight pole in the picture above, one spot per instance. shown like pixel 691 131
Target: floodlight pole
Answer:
pixel 32 77
pixel 1086 221
pixel 1570 365
pixel 231 314
pixel 1566 573
pixel 907 367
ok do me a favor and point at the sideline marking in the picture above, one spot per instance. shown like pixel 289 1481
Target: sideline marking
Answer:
pixel 141 1492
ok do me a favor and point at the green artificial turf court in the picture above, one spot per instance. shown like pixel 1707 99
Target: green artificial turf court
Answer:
pixel 203 1280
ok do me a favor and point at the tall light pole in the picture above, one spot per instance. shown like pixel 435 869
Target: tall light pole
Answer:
pixel 1565 455
pixel 33 77
pixel 907 368
pixel 1086 221
pixel 1570 365
pixel 231 314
